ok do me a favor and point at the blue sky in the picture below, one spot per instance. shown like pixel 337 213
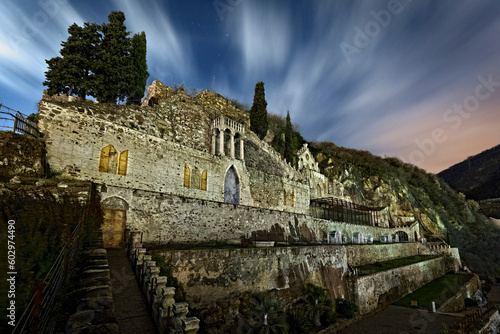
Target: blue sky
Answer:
pixel 419 80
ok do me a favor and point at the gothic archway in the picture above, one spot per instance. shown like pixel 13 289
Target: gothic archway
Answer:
pixel 115 217
pixel 232 187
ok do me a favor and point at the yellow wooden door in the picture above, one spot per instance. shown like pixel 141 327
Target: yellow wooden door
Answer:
pixel 113 228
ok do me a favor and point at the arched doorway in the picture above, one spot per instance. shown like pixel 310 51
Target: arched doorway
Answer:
pixel 403 236
pixel 115 217
pixel 232 187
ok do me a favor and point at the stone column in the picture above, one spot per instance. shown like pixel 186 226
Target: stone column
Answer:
pixel 191 325
pixel 139 260
pixel 167 302
pixel 231 138
pixel 242 154
pixel 213 142
pixel 180 312
pixel 221 142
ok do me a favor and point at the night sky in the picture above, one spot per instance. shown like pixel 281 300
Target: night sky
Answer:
pixel 418 80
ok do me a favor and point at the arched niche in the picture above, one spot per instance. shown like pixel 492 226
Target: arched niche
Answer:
pixel 232 186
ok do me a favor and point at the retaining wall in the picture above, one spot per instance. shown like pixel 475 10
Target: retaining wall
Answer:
pixel 381 289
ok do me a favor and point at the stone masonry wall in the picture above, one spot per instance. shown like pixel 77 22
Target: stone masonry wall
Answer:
pixel 177 219
pixel 209 276
pixel 381 289
pixel 358 255
pixel 457 303
pixel 20 155
pixel 161 141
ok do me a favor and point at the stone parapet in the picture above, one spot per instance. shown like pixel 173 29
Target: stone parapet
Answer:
pixel 168 316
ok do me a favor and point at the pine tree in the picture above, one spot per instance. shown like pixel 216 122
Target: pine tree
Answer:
pixel 138 69
pixel 288 139
pixel 99 60
pixel 258 112
pixel 113 76
pixel 73 73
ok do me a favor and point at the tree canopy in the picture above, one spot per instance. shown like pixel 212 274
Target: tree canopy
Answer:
pixel 258 112
pixel 289 156
pixel 100 61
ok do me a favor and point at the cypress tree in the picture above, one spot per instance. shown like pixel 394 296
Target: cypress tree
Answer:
pixel 113 76
pixel 73 73
pixel 258 112
pixel 138 69
pixel 288 139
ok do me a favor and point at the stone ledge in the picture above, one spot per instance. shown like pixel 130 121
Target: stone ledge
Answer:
pixel 264 243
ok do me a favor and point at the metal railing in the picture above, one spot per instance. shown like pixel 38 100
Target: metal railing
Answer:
pixel 17 122
pixel 335 209
pixel 38 316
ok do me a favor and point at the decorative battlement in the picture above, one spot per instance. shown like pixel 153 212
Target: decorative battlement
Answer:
pixel 302 149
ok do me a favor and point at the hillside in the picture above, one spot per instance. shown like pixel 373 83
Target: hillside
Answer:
pixel 406 194
pixel 409 193
pixel 478 177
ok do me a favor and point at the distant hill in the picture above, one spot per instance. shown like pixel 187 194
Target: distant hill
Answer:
pixel 478 177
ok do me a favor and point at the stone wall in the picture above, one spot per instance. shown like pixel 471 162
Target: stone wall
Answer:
pixel 381 289
pixel 177 219
pixel 216 274
pixel 457 303
pixel 21 155
pixel 452 255
pixel 157 144
pixel 358 255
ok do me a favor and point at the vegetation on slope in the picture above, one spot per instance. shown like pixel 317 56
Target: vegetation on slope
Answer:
pixel 43 222
pixel 478 177
pixel 409 193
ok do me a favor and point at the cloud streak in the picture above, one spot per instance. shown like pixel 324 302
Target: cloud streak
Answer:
pixel 393 92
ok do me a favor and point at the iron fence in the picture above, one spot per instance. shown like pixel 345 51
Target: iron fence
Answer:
pixel 17 122
pixel 38 316
pixel 335 209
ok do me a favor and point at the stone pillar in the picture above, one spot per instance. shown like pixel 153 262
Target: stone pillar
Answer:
pixel 180 312
pixel 152 274
pixel 167 302
pixel 231 138
pixel 132 251
pixel 139 260
pixel 221 142
pixel 242 154
pixel 213 142
pixel 146 274
pixel 191 325
pixel 165 311
pixel 161 282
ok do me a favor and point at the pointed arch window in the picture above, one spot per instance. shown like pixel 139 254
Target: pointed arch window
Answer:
pixel 187 176
pixel 204 180
pixel 232 186
pixel 108 160
pixel 195 178
pixel 284 197
pixel 122 164
pixel 292 198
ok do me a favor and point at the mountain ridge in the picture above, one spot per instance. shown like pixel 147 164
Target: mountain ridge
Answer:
pixel 478 176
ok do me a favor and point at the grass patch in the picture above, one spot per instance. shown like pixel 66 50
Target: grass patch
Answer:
pixel 439 290
pixel 372 268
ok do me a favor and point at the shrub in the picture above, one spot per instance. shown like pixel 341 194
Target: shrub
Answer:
pixel 346 308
